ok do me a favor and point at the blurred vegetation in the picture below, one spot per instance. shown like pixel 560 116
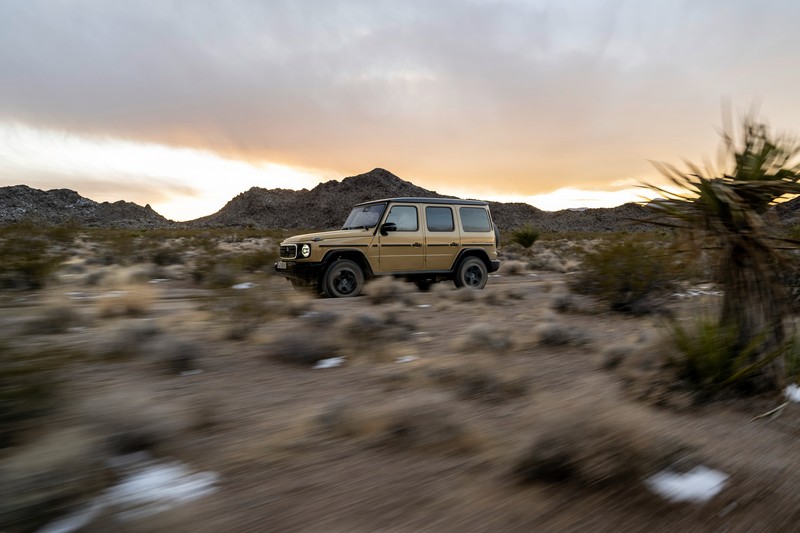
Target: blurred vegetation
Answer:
pixel 725 210
pixel 525 236
pixel 30 254
pixel 627 274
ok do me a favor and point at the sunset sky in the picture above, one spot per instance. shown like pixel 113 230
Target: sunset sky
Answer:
pixel 184 104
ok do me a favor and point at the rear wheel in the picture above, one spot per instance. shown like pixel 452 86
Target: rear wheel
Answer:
pixel 343 279
pixel 471 273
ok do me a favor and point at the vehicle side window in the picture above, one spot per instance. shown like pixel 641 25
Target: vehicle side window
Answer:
pixel 405 216
pixel 474 219
pixel 439 219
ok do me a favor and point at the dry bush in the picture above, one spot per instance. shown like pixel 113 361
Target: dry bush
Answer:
pixel 596 444
pixel 477 381
pixel 174 356
pixel 302 346
pixel 513 268
pixel 566 302
pixel 54 319
pixel 557 334
pixel 387 289
pixel 485 337
pixel 127 339
pixel 549 261
pixel 425 422
pixel 28 390
pixel 46 479
pixel 130 420
pixel 134 302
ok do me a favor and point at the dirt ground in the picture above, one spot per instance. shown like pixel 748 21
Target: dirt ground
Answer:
pixel 440 399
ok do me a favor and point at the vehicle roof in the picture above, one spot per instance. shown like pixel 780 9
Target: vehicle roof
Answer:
pixel 420 200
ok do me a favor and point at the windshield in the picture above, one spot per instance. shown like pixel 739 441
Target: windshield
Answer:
pixel 364 216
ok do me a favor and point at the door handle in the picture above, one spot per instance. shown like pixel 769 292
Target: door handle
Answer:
pixel 453 244
pixel 416 244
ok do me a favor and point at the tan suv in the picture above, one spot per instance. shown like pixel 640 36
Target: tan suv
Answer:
pixel 424 240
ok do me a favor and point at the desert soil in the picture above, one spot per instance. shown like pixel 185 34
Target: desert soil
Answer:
pixel 424 425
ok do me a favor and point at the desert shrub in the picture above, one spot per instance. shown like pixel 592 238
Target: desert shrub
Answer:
pixel 26 260
pixel 28 390
pixel 46 479
pixel 301 347
pixel 627 274
pixel 486 337
pixel 709 356
pixel 557 334
pixel 387 290
pixel 254 260
pixel 53 320
pixel 478 381
pixel 174 356
pixel 425 422
pixel 525 236
pixel 513 268
pixel 128 339
pixel 129 420
pixel 595 445
pixel 132 303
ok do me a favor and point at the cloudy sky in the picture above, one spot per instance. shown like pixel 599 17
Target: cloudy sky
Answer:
pixel 184 104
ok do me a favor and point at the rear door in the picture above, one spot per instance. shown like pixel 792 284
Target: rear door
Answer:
pixel 402 250
pixel 442 238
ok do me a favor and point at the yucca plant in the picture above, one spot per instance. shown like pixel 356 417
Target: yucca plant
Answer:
pixel 525 236
pixel 727 209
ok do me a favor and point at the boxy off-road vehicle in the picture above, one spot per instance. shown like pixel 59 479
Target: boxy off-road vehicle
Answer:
pixel 423 240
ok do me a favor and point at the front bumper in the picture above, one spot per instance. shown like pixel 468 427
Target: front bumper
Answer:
pixel 494 265
pixel 307 272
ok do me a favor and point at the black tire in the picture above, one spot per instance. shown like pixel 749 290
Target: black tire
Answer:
pixel 471 273
pixel 343 279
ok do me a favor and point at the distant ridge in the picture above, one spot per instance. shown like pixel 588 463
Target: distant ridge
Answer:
pixel 323 207
pixel 20 203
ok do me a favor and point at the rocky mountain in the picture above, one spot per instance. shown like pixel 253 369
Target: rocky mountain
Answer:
pixel 324 207
pixel 20 203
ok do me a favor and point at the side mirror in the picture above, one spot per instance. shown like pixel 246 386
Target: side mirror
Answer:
pixel 387 227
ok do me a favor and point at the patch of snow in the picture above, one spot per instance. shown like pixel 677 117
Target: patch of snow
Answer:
pixel 406 359
pixel 693 293
pixel 495 275
pixel 533 275
pixel 424 306
pixel 158 280
pixel 194 372
pixel 698 485
pixel 245 285
pixel 331 362
pixel 792 393
pixel 147 487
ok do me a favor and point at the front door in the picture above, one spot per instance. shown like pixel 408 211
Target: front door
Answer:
pixel 442 239
pixel 401 250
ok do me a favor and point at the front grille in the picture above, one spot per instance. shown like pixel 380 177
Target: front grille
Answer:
pixel 288 251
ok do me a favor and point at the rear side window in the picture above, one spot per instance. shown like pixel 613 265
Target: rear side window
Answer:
pixel 474 219
pixel 439 219
pixel 405 216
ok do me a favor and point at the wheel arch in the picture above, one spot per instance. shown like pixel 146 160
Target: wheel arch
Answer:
pixel 355 256
pixel 480 253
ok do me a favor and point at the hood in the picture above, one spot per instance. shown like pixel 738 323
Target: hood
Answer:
pixel 331 235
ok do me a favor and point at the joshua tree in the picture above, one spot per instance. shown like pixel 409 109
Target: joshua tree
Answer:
pixel 729 209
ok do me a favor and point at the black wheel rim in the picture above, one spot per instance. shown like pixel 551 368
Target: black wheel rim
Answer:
pixel 344 282
pixel 473 276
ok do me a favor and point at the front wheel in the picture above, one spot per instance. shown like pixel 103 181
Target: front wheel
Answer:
pixel 471 273
pixel 343 279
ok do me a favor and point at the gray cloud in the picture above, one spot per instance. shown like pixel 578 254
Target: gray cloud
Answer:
pixel 538 93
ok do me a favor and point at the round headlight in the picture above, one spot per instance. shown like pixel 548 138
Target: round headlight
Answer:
pixel 305 250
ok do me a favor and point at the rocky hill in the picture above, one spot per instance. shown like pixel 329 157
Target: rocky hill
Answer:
pixel 327 205
pixel 20 203
pixel 324 207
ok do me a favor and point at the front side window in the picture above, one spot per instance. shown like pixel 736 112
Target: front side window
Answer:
pixel 474 219
pixel 439 219
pixel 364 216
pixel 405 216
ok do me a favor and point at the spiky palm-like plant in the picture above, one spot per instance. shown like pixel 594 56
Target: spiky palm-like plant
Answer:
pixel 728 209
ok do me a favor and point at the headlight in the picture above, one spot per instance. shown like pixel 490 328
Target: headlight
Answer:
pixel 305 250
